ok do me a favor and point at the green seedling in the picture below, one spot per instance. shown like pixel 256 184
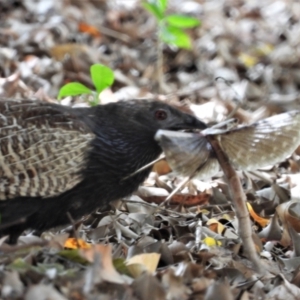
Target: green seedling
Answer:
pixel 102 77
pixel 171 27
pixel 170 30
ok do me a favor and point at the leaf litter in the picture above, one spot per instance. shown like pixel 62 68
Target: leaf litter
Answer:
pixel 244 64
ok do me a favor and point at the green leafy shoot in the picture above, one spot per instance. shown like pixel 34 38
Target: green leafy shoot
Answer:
pixel 182 21
pixel 153 9
pixel 175 36
pixel 102 77
pixel 170 27
pixel 73 89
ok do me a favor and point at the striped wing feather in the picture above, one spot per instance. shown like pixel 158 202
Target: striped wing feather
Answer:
pixel 42 149
pixel 251 147
pixel 263 143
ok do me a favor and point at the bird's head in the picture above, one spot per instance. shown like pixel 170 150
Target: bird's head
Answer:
pixel 125 141
pixel 156 115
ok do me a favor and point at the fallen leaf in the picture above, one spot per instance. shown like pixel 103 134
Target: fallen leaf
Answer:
pixel 143 262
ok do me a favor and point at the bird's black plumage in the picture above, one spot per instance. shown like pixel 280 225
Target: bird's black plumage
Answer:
pixel 56 160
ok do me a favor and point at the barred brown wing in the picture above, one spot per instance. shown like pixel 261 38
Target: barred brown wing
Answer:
pixel 42 149
pixel 248 147
pixel 263 143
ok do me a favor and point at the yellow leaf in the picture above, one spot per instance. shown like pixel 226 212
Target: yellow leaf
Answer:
pixel 227 217
pixel 203 211
pixel 216 226
pixel 248 60
pixel 264 49
pixel 209 241
pixel 73 243
pixel 261 221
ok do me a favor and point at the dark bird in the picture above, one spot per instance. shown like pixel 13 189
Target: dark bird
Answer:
pixel 56 160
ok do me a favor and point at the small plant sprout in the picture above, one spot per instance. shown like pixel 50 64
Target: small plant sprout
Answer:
pixel 102 77
pixel 170 30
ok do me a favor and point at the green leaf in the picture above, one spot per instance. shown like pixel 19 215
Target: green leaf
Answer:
pixel 73 255
pixel 120 265
pixel 162 5
pixel 42 268
pixel 181 21
pixel 19 265
pixel 73 89
pixel 102 77
pixel 153 9
pixel 175 36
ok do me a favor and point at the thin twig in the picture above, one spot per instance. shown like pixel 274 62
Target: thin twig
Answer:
pixel 156 207
pixel 237 104
pixel 143 168
pixel 115 34
pixel 177 189
pixel 160 63
pixel 239 202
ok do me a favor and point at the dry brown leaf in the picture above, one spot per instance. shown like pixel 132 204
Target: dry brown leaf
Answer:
pixel 289 213
pixel 175 286
pixel 104 254
pixel 147 287
pixel 263 222
pixel 162 167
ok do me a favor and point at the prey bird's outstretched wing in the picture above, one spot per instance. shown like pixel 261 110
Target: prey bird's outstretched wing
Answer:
pixel 263 143
pixel 42 149
pixel 248 147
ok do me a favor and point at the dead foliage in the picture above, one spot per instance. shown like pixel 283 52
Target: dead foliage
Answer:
pixel 244 64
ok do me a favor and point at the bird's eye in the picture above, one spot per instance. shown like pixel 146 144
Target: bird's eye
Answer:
pixel 160 114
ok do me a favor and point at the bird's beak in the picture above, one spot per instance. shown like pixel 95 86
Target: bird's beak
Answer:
pixel 190 122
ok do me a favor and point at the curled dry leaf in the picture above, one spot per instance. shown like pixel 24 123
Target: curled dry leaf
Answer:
pixel 263 222
pixel 103 253
pixel 284 291
pixel 219 288
pixel 43 292
pixel 175 285
pixel 248 147
pixel 147 287
pixel 143 262
pixel 289 214
pixel 214 225
pixel 12 285
pixel 272 232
